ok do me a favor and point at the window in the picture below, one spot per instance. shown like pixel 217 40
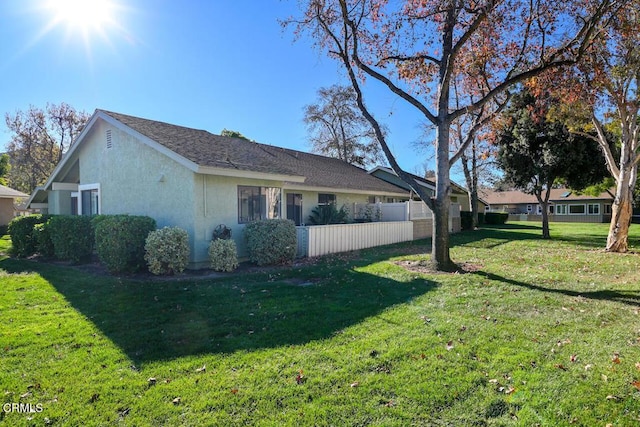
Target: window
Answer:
pixel 529 208
pixel 577 209
pixel 89 199
pixel 551 208
pixel 256 203
pixel 487 208
pixel 326 199
pixel 294 208
pixel 607 209
pixel 593 209
pixel 538 210
pixel 561 209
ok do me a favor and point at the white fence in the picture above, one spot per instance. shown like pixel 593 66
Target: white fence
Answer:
pixel 405 211
pixel 327 239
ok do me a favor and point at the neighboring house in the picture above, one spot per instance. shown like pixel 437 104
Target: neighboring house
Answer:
pixel 8 197
pixel 196 180
pixel 459 194
pixel 564 205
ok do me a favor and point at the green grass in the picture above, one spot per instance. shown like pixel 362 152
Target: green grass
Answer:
pixel 543 333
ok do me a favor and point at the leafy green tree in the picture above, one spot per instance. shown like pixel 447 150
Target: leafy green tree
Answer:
pixel 234 134
pixel 5 166
pixel 535 152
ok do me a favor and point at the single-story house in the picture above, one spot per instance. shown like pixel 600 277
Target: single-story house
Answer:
pixel 459 194
pixel 8 197
pixel 565 205
pixel 196 180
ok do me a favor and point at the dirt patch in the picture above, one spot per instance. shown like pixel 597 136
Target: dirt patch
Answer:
pixel 425 267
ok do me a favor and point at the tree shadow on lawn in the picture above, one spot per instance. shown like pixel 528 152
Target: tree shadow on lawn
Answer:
pixel 163 320
pixel 625 297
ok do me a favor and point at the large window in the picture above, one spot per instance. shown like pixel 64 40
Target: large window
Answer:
pixel 89 199
pixel 577 209
pixel 256 203
pixel 593 209
pixel 326 199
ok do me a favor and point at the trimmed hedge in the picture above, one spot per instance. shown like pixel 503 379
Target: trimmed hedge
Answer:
pixel 167 250
pixel 43 238
pixel 495 218
pixel 223 255
pixel 271 241
pixel 120 241
pixel 466 218
pixel 23 236
pixel 72 237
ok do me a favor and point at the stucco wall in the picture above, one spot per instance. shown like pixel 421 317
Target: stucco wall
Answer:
pixel 138 180
pixel 6 211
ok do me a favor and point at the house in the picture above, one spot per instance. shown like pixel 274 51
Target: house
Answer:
pixel 196 180
pixel 459 194
pixel 8 197
pixel 564 205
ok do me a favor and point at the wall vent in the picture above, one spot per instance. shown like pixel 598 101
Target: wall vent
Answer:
pixel 109 140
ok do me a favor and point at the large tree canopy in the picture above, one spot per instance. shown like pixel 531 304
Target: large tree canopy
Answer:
pixel 337 128
pixel 535 151
pixel 39 139
pixel 419 50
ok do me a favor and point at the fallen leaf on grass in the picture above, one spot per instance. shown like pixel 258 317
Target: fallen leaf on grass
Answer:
pixel 612 397
pixel 574 358
pixel 300 378
pixel 152 381
pixel 638 365
pixel 355 384
pixel 176 401
pixel 616 358
pixel 560 366
pixel 234 391
pixel 203 369
pixel 450 346
pixel 636 384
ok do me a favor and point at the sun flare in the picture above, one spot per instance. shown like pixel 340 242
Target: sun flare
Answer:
pixel 84 15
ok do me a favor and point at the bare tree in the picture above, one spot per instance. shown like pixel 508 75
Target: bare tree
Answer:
pixel 40 137
pixel 338 129
pixel 417 50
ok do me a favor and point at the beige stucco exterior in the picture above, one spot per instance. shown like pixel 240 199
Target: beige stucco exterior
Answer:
pixel 6 211
pixel 134 176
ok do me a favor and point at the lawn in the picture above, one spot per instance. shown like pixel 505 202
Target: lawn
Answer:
pixel 537 333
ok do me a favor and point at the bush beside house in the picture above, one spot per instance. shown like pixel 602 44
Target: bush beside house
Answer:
pixel 495 218
pixel 223 255
pixel 271 241
pixel 120 241
pixel 167 250
pixel 71 236
pixel 23 235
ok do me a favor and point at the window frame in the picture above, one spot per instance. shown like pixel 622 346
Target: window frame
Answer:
pixel 82 189
pixel 327 196
pixel 595 211
pixel 263 211
pixel 575 205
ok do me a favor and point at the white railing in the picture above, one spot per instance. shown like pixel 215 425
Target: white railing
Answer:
pixel 405 211
pixel 328 239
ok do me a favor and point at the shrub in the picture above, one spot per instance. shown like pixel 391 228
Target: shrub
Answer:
pixel 223 255
pixel 466 220
pixel 271 241
pixel 71 236
pixel 120 241
pixel 495 218
pixel 44 244
pixel 167 250
pixel 23 237
pixel 329 214
pixel 4 229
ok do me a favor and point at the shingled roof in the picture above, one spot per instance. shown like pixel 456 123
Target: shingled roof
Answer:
pixel 558 195
pixel 209 150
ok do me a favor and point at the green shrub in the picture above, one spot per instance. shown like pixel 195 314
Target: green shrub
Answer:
pixel 120 241
pixel 480 218
pixel 223 255
pixel 4 229
pixel 271 241
pixel 329 214
pixel 23 237
pixel 167 250
pixel 72 237
pixel 495 218
pixel 466 220
pixel 44 245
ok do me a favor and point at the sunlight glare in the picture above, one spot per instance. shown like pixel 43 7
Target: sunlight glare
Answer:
pixel 84 15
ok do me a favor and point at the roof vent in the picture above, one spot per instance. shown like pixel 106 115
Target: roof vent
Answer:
pixel 565 194
pixel 109 140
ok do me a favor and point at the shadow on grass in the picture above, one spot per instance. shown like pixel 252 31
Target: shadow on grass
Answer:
pixel 494 236
pixel 161 320
pixel 625 297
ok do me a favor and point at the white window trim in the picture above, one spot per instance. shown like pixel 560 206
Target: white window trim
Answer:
pixel 83 187
pixel 561 209
pixel 593 204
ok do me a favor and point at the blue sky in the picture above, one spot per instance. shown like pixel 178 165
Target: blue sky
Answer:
pixel 203 64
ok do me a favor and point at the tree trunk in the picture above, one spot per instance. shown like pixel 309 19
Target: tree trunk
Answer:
pixel 440 258
pixel 621 212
